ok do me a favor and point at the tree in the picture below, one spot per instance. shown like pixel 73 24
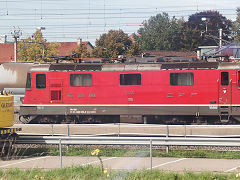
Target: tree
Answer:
pixel 210 25
pixel 160 32
pixel 237 26
pixel 36 48
pixel 82 49
pixel 114 43
pixel 191 38
pixel 134 49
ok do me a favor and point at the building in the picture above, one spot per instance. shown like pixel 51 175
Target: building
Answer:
pixel 65 48
pixel 231 51
pixel 6 52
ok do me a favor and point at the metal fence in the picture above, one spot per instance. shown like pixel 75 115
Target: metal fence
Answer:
pixel 166 142
pixel 149 136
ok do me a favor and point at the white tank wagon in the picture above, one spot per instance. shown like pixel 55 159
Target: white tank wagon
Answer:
pixel 13 75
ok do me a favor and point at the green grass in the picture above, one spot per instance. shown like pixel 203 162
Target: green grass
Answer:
pixel 95 173
pixel 129 152
pixel 160 175
pixel 88 172
pixel 199 154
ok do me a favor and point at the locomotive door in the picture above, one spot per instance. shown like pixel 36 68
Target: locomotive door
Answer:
pixel 224 97
pixel 224 89
pixel 55 90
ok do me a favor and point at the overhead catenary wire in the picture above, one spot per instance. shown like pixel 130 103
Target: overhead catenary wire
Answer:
pixel 119 12
pixel 59 21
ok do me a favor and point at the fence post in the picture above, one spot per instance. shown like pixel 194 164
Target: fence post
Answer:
pixel 52 130
pixel 68 130
pixel 118 129
pixel 167 149
pixel 167 134
pixel 68 134
pixel 185 131
pixel 60 152
pixel 167 131
pixel 151 154
pixel 145 120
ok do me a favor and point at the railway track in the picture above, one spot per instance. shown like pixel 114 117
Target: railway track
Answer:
pixel 131 129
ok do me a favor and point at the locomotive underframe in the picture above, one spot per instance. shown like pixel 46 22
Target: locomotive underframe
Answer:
pixel 132 113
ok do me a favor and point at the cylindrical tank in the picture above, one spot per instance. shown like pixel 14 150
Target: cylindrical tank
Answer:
pixel 6 111
pixel 13 75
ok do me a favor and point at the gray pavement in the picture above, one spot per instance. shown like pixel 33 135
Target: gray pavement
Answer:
pixel 128 163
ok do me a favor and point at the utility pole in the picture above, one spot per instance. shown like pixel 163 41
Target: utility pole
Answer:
pixel 220 38
pixel 206 20
pixel 43 46
pixel 16 33
pixel 220 42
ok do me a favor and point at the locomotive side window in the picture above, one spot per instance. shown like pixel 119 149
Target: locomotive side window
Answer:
pixel 41 81
pixel 28 83
pixel 81 79
pixel 181 79
pixel 224 78
pixel 130 79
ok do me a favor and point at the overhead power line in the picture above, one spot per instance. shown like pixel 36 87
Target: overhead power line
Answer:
pixel 85 21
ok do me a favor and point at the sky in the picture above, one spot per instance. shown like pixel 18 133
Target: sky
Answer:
pixel 68 20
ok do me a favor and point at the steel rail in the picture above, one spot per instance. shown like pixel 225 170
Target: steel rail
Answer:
pixel 110 140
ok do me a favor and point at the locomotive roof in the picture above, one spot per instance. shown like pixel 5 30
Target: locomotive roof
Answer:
pixel 134 66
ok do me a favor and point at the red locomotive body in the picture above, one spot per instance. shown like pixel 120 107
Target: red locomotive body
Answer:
pixel 159 93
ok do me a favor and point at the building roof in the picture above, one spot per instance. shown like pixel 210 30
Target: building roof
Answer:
pixel 66 48
pixel 132 38
pixel 6 52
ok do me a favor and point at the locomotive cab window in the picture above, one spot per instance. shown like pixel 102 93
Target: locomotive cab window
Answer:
pixel 28 83
pixel 131 79
pixel 41 81
pixel 181 79
pixel 224 78
pixel 81 79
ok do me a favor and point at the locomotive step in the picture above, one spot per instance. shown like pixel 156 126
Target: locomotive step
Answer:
pixel 224 113
pixel 224 107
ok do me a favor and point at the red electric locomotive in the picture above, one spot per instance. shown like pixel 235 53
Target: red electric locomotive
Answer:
pixel 171 93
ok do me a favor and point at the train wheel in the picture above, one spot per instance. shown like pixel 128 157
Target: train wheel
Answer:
pixel 26 119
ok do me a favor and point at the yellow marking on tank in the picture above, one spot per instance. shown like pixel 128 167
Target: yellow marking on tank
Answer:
pixel 6 111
